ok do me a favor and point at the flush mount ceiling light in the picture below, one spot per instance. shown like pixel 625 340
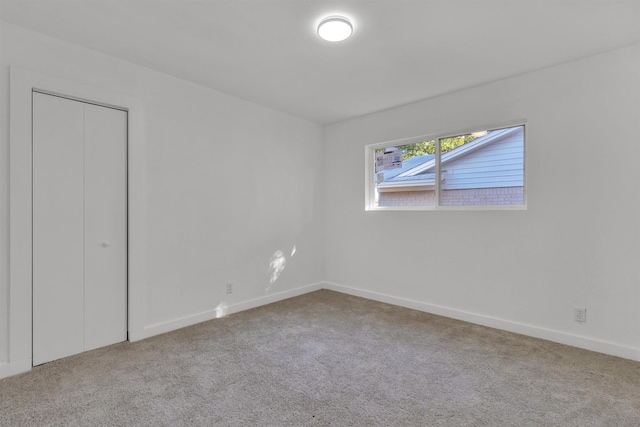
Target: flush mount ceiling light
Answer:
pixel 335 28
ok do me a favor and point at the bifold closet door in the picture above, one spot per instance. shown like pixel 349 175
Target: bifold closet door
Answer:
pixel 105 225
pixel 58 228
pixel 79 227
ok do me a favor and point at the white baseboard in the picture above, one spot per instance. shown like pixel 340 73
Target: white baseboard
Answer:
pixel 573 340
pixel 14 368
pixel 220 311
pixel 18 367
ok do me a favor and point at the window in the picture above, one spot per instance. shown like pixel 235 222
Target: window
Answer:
pixel 475 169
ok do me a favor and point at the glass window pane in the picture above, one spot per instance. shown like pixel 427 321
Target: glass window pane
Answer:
pixel 483 168
pixel 410 182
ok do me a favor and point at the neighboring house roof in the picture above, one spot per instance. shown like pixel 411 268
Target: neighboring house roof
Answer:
pixel 407 165
pixel 393 179
pixel 418 173
pixel 474 145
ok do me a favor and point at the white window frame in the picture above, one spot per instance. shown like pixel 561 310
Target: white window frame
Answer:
pixel 369 170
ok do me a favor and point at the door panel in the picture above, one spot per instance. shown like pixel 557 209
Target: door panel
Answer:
pixel 79 227
pixel 105 226
pixel 58 228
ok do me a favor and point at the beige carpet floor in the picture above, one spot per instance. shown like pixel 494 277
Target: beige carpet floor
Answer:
pixel 328 359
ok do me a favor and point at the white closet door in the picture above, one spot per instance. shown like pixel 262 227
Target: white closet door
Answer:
pixel 58 228
pixel 79 227
pixel 105 226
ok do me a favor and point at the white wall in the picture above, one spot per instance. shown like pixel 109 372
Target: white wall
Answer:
pixel 227 184
pixel 577 244
pixel 4 210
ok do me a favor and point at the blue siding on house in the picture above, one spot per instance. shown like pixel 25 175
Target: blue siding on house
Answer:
pixel 500 164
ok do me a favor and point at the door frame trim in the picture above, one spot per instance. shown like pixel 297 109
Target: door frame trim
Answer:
pixel 21 85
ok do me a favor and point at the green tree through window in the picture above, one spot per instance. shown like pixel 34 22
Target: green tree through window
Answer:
pixel 429 147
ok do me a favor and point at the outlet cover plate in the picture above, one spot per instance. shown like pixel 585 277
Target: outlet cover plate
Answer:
pixel 579 314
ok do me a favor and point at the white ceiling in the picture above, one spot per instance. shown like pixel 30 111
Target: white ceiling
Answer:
pixel 267 51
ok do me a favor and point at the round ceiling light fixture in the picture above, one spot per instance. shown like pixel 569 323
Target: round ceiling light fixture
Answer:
pixel 335 28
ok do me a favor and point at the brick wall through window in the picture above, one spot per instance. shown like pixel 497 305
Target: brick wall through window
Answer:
pixel 466 197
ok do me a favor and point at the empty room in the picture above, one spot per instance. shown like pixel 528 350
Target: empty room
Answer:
pixel 328 212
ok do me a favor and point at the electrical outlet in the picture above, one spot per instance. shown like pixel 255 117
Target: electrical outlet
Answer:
pixel 229 288
pixel 579 314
